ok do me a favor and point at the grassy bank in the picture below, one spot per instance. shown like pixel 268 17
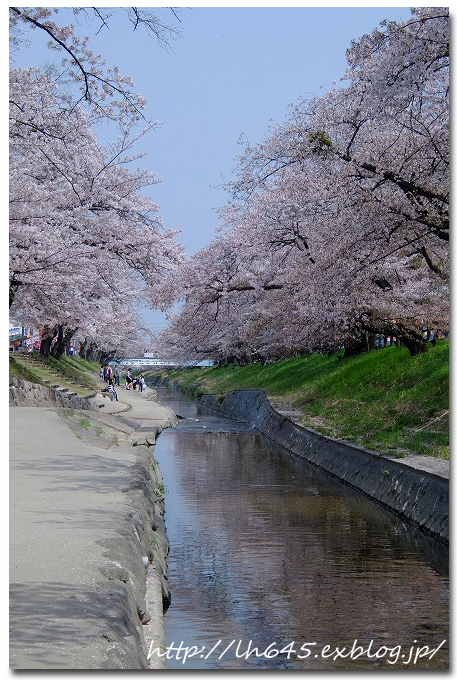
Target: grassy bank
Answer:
pixel 385 400
pixel 70 372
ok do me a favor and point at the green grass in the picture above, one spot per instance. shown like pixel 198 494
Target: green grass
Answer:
pixel 18 370
pixel 385 399
pixel 72 373
pixel 83 364
pixel 72 369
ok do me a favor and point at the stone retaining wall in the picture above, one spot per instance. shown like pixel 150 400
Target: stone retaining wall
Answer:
pixel 23 393
pixel 418 496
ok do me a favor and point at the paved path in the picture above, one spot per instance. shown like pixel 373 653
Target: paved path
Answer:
pixel 70 535
pixel 436 466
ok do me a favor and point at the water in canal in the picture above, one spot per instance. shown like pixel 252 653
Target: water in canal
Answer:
pixel 266 548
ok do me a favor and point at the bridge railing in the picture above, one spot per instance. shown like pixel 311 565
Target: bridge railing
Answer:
pixel 159 363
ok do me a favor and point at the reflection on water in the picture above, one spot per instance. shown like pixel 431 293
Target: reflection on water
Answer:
pixel 264 547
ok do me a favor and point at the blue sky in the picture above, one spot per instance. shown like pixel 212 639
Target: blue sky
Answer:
pixel 235 70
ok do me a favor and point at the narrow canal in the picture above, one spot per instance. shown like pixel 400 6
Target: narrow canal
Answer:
pixel 266 548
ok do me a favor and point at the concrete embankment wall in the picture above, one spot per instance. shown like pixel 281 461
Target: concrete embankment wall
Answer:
pixel 418 496
pixel 142 539
pixel 133 600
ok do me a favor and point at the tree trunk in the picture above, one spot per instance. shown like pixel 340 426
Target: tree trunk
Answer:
pixel 63 337
pixel 355 347
pixel 14 286
pixel 92 353
pixel 82 351
pixel 408 336
pixel 46 341
pixel 415 345
pixel 58 347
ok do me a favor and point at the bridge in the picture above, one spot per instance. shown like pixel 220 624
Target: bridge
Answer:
pixel 149 362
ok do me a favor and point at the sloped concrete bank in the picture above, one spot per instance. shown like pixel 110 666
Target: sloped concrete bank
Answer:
pixel 416 495
pixel 88 581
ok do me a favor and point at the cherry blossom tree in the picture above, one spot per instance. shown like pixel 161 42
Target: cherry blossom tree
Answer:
pixel 104 91
pixel 83 239
pixel 86 244
pixel 338 224
pixel 384 138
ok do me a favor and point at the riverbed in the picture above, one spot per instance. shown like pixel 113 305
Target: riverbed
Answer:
pixel 268 553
